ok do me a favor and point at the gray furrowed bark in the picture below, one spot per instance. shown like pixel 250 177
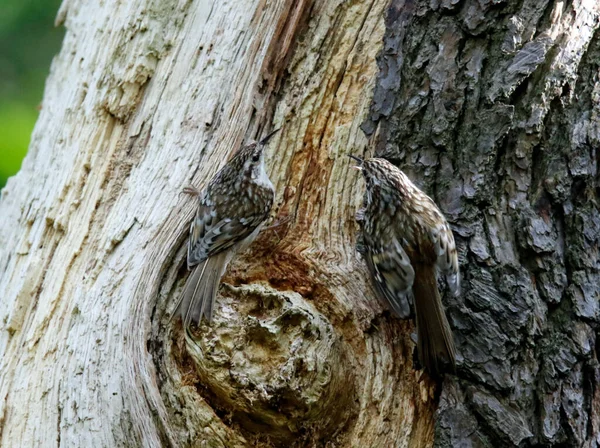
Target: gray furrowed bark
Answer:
pixel 493 108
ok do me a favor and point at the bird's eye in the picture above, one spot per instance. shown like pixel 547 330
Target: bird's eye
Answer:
pixel 256 157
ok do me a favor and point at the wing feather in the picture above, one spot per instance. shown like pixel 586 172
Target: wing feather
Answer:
pixel 447 256
pixel 394 276
pixel 216 229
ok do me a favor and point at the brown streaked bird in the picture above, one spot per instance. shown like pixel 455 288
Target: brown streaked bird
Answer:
pixel 231 211
pixel 407 242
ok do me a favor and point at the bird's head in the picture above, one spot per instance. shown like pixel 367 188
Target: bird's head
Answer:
pixel 381 176
pixel 252 157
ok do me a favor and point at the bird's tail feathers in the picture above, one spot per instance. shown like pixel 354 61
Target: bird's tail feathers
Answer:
pixel 435 343
pixel 201 289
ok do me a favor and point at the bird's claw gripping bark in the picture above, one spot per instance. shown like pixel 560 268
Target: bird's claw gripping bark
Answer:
pixel 192 191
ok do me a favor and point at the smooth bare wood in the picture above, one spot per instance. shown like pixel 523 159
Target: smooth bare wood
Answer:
pixel 143 99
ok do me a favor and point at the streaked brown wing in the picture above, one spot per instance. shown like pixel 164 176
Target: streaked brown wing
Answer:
pixel 393 275
pixel 221 236
pixel 446 255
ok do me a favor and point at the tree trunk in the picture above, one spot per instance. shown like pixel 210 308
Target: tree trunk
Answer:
pixel 491 106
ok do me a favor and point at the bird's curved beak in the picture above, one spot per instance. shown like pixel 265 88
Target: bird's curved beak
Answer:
pixel 268 137
pixel 359 160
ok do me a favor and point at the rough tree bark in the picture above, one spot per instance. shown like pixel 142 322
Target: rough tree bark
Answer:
pixel 491 106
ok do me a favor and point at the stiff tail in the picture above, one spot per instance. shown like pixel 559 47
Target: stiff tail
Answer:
pixel 201 289
pixel 435 343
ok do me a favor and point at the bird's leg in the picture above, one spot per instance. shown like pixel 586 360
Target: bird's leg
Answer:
pixel 192 191
pixel 278 223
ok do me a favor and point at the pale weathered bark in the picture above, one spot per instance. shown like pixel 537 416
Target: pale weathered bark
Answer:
pixel 491 106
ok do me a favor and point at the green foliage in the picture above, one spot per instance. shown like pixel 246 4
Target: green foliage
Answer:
pixel 28 41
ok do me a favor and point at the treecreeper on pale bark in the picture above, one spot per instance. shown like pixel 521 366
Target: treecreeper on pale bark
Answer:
pixel 231 211
pixel 407 241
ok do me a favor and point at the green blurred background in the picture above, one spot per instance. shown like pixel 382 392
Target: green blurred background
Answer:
pixel 28 42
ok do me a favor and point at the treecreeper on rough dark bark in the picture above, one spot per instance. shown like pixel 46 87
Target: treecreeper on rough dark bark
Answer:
pixel 407 240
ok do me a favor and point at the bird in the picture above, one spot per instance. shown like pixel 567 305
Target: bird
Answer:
pixel 407 242
pixel 231 211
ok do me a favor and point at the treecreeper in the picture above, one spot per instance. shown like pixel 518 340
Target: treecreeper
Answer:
pixel 407 243
pixel 232 208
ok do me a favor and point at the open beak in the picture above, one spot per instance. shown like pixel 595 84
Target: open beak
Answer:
pixel 359 160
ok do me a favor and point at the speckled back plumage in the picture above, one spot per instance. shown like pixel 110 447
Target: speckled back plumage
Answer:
pixel 232 206
pixel 407 240
pixel 398 203
pixel 231 210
